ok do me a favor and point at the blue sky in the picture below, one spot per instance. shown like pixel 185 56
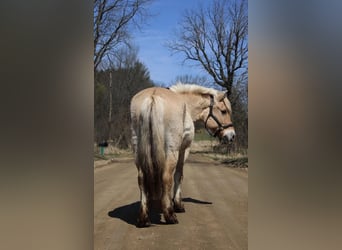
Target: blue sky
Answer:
pixel 163 66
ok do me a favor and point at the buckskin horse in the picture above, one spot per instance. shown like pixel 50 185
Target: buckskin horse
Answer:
pixel 162 122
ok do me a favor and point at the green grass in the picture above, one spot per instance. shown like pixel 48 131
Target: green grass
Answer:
pixel 119 154
pixel 98 156
pixel 237 161
pixel 202 135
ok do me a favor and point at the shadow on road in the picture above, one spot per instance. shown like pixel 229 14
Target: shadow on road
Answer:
pixel 196 201
pixel 129 213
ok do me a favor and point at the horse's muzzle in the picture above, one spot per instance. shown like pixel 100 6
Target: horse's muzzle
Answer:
pixel 228 137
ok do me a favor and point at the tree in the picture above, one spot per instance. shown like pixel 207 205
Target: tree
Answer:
pixel 112 18
pixel 216 39
pixel 239 100
pixel 119 83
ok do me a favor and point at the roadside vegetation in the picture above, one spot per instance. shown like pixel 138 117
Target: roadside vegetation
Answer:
pixel 203 145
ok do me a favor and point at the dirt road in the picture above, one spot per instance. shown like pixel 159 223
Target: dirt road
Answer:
pixel 215 199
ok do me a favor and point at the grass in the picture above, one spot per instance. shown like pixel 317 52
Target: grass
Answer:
pixel 202 135
pixel 233 160
pixel 203 144
pixel 115 153
pixel 236 161
pixel 97 157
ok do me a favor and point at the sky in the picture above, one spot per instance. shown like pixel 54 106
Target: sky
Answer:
pixel 162 65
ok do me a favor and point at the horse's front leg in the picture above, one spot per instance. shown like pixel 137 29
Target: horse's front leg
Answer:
pixel 167 202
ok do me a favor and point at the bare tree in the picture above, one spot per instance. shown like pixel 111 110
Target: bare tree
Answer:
pixel 216 38
pixel 239 99
pixel 114 88
pixel 111 22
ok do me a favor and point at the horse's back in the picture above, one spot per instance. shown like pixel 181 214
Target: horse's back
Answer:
pixel 170 105
pixel 165 94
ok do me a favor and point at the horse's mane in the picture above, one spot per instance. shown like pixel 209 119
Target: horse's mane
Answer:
pixel 192 88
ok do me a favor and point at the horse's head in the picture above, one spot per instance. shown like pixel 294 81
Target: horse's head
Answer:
pixel 217 118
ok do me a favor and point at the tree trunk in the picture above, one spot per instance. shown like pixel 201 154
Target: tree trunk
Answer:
pixel 110 107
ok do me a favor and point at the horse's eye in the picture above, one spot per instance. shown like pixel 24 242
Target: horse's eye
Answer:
pixel 224 112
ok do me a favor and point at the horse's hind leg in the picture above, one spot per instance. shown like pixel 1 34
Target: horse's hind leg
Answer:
pixel 167 203
pixel 178 205
pixel 143 219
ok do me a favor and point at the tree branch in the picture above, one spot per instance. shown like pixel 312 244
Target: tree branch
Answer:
pixel 216 39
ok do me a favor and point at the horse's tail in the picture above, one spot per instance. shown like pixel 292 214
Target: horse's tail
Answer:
pixel 151 145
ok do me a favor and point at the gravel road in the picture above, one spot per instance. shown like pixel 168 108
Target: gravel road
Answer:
pixel 215 199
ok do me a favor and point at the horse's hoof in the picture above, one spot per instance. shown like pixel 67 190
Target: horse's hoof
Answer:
pixel 143 222
pixel 179 209
pixel 172 219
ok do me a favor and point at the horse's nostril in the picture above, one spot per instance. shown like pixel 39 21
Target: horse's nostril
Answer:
pixel 231 139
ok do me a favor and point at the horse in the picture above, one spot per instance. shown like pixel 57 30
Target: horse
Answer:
pixel 162 123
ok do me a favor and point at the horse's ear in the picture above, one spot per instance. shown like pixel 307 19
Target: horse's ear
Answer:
pixel 222 95
pixel 206 96
pixel 208 100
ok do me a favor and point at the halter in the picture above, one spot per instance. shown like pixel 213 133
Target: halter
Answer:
pixel 220 126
